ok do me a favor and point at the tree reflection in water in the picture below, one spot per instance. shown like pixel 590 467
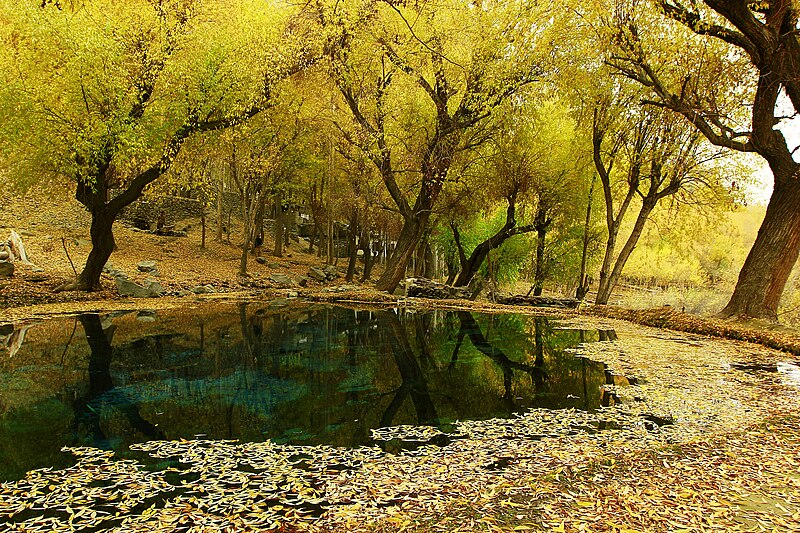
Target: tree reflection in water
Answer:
pixel 315 375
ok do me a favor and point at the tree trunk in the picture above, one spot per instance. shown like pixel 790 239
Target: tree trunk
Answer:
pixel 772 257
pixel 352 249
pixel 605 290
pixel 246 231
pixel 410 235
pixel 538 277
pixel 203 226
pixel 583 278
pixel 102 246
pixel 219 211
pixel 366 245
pixel 470 266
pixel 278 234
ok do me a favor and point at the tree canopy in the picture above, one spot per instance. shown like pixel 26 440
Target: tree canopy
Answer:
pixel 414 123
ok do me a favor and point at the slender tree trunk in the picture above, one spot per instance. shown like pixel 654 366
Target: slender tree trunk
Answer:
pixel 352 248
pixel 604 292
pixel 203 226
pixel 246 231
pixel 219 212
pixel 471 265
pixel 278 234
pixel 366 246
pixel 538 277
pixel 772 257
pixel 583 279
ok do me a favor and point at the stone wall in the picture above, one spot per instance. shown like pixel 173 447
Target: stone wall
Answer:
pixel 144 212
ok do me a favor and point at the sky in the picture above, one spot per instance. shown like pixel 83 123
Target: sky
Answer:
pixel 762 190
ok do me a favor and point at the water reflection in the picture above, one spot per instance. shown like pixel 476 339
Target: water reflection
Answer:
pixel 315 375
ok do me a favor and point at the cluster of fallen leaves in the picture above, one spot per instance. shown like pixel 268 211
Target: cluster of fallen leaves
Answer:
pixel 728 461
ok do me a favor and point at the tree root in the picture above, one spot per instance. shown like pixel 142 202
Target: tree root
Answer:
pixel 68 286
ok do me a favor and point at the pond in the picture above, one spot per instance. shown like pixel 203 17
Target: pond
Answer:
pixel 308 374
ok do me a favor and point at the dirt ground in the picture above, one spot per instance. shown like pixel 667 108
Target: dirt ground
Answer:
pixel 55 233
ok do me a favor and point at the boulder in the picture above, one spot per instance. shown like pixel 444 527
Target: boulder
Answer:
pixel 126 287
pixel 274 265
pixel 261 261
pixel 302 281
pixel 6 269
pixel 316 274
pixel 184 292
pixel 281 279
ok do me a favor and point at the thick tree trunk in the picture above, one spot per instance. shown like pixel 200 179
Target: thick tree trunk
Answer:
pixel 772 257
pixel 410 235
pixel 102 246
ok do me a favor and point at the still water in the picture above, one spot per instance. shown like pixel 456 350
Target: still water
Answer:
pixel 302 375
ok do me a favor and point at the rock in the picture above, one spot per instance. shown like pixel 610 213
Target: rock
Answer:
pixel 114 273
pixel 154 286
pixel 278 302
pixel 281 279
pixel 292 294
pixel 184 292
pixel 3 255
pixel 316 274
pixel 539 301
pixel 425 288
pixel 6 329
pixel 146 315
pixel 342 288
pixel 146 266
pixel 301 281
pixel 18 248
pixel 331 272
pixel 274 265
pixel 203 289
pixel 6 269
pixel 261 261
pixel 126 287
pixel 25 233
pixel 36 277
